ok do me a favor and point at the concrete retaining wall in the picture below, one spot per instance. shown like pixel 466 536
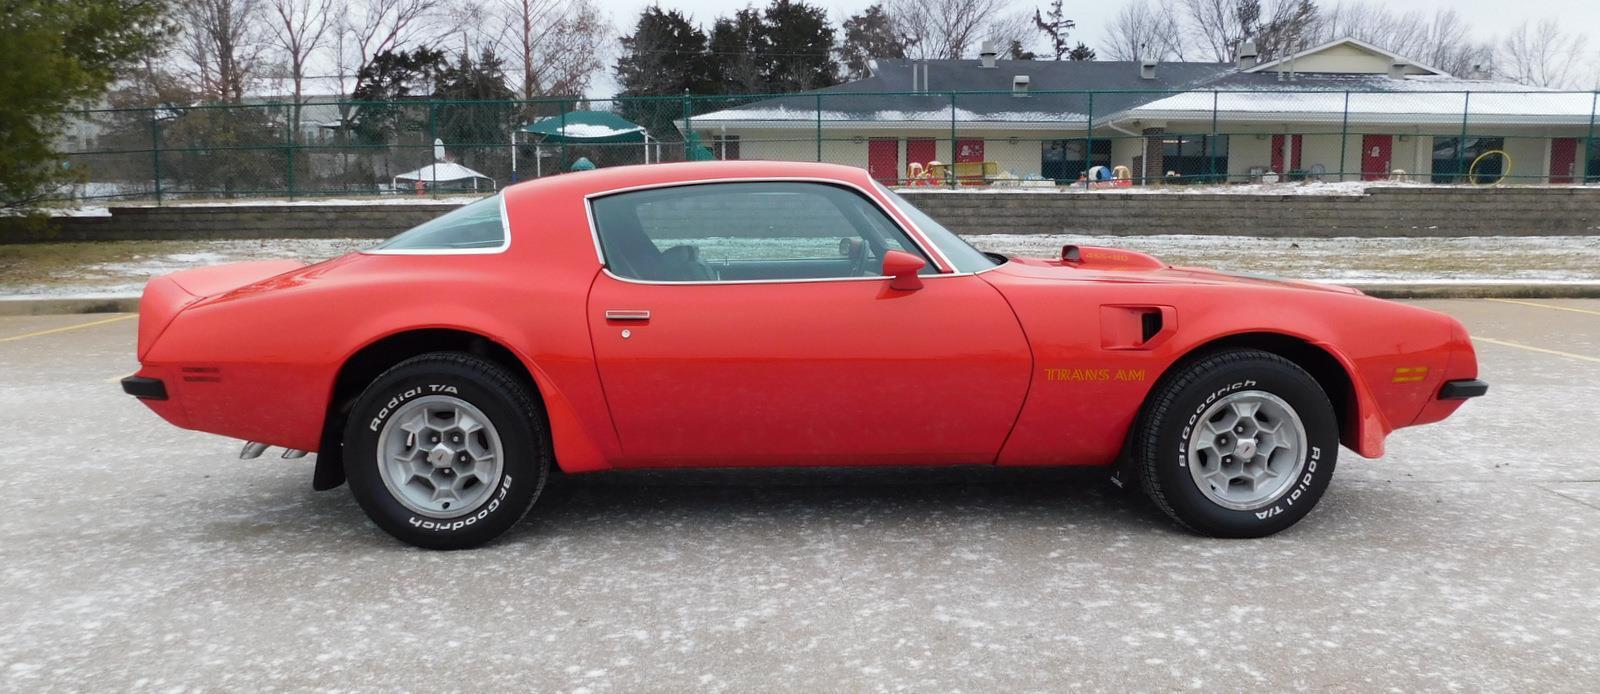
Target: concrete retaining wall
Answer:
pixel 1381 212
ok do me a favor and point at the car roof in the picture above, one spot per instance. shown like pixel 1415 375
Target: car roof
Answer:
pixel 614 178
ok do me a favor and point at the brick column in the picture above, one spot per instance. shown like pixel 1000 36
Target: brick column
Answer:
pixel 1155 162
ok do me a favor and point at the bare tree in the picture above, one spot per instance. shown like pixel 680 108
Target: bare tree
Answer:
pixel 367 28
pixel 1215 28
pixel 951 29
pixel 299 29
pixel 558 44
pixel 222 44
pixel 1543 55
pixel 1141 30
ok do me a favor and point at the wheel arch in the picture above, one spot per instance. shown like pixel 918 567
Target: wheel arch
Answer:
pixel 371 360
pixel 1331 371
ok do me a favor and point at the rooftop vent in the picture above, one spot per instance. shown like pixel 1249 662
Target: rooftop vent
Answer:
pixel 1019 85
pixel 1147 69
pixel 987 54
pixel 1397 69
pixel 1249 57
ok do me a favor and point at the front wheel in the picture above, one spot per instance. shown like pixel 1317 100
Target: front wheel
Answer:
pixel 1240 443
pixel 446 451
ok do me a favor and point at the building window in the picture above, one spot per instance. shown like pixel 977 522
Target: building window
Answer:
pixel 1068 160
pixel 1196 157
pixel 725 146
pixel 1453 157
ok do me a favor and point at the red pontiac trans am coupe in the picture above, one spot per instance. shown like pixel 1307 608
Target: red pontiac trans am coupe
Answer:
pixel 777 314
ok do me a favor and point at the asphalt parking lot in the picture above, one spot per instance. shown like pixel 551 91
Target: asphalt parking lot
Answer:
pixel 136 556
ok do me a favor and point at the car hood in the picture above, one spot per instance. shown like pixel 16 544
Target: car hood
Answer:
pixel 1100 264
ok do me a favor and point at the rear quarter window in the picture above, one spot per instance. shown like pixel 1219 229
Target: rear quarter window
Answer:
pixel 477 227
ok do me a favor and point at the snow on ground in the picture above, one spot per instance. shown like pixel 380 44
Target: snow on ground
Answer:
pixel 105 269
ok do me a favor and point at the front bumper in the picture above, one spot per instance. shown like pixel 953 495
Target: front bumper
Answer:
pixel 1463 389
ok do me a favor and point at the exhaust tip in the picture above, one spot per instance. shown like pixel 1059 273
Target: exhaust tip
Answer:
pixel 291 453
pixel 252 450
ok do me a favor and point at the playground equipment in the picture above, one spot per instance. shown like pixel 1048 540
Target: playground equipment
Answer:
pixel 1505 171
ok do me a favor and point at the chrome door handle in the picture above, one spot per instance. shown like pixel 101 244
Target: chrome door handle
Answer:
pixel 627 314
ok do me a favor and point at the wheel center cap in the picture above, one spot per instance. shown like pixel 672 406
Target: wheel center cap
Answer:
pixel 1246 448
pixel 440 456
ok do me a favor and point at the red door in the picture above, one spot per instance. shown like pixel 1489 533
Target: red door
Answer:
pixel 1564 160
pixel 1295 144
pixel 1377 153
pixel 843 372
pixel 883 159
pixel 920 150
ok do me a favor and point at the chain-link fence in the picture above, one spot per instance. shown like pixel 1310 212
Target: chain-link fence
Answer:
pixel 1019 139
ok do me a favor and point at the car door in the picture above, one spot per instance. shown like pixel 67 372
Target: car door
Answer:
pixel 827 365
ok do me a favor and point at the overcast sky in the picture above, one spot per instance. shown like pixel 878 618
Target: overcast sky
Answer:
pixel 1488 17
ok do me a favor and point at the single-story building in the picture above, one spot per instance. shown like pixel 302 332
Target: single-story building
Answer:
pixel 1345 110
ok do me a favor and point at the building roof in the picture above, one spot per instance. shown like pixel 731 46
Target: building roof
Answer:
pixel 1057 92
pixel 1059 95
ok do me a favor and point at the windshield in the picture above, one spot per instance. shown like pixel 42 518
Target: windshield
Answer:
pixel 964 257
pixel 476 226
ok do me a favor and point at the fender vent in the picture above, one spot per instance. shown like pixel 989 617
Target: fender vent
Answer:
pixel 1149 325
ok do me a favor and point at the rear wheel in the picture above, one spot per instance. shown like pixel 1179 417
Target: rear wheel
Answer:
pixel 1240 443
pixel 446 451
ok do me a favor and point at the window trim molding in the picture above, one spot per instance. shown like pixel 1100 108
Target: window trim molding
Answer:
pixel 942 264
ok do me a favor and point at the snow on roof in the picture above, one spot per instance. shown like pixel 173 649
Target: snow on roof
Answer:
pixel 784 116
pixel 442 171
pixel 1379 97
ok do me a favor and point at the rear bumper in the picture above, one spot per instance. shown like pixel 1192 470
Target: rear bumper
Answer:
pixel 1463 389
pixel 145 388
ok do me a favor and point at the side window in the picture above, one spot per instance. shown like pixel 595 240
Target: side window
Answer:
pixel 476 226
pixel 745 231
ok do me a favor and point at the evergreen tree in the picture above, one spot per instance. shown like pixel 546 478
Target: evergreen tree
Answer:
pixel 1055 25
pixel 1017 52
pixel 869 35
pixel 798 41
pixel 664 56
pixel 1081 52
pixel 392 76
pixel 463 125
pixel 737 44
pixel 55 54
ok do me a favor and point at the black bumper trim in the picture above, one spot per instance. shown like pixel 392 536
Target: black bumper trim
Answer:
pixel 1463 389
pixel 145 388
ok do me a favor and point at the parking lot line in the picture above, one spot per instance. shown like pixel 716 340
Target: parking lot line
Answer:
pixel 1531 348
pixel 53 331
pixel 1548 306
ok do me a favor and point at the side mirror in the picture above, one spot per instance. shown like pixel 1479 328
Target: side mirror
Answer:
pixel 902 268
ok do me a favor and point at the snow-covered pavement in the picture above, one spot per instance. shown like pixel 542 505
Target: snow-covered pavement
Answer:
pixel 138 557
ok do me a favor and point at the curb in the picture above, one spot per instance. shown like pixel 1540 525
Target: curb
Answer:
pixel 15 306
pixel 1481 290
pixel 18 306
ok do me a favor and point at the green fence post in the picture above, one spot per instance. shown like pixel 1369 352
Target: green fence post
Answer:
pixel 288 151
pixel 950 167
pixel 688 127
pixel 1344 136
pixel 562 108
pixel 1461 144
pixel 155 151
pixel 1088 144
pixel 1588 143
pixel 1211 143
pixel 819 127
